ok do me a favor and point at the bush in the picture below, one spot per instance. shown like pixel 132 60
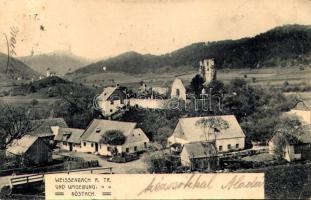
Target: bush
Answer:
pixel 113 137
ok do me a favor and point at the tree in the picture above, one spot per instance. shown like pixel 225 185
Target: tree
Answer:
pixel 113 137
pixel 34 102
pixel 197 84
pixel 215 123
pixel 288 131
pixel 161 162
pixel 215 87
pixel 162 134
pixel 75 105
pixel 15 122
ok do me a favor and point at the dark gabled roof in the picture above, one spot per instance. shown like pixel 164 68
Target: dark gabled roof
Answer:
pixel 200 149
pixel 304 137
pixel 72 135
pixel 42 127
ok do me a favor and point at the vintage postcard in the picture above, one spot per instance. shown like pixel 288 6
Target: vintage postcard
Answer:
pixel 155 99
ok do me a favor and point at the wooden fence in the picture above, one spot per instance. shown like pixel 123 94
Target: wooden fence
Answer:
pixel 40 177
pixel 68 165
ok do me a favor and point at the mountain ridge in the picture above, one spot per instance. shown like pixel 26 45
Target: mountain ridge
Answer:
pixel 59 62
pixel 17 69
pixel 281 46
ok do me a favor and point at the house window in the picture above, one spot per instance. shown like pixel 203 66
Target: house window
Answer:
pixel 110 110
pixel 220 148
pixel 229 146
pixel 84 143
pixel 135 148
pixel 127 150
pixel 108 148
pixel 237 146
pixel 111 102
pixel 73 145
pixel 92 144
pixel 65 143
pixel 145 144
pixel 177 92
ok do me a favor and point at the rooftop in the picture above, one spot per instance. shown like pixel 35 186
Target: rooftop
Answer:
pixel 21 146
pixel 42 127
pixel 72 135
pixel 189 130
pixel 99 127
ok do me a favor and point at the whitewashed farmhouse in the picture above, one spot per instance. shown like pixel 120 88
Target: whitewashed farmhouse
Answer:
pixel 178 90
pixel 69 139
pixel 136 140
pixel 111 100
pixel 187 131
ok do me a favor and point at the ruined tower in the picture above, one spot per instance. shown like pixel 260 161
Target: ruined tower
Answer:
pixel 207 70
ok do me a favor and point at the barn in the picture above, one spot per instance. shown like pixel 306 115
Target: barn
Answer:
pixel 31 148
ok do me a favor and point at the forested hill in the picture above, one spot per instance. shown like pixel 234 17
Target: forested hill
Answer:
pixel 16 69
pixel 282 46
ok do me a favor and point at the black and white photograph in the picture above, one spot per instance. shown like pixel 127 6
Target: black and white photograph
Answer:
pixel 155 87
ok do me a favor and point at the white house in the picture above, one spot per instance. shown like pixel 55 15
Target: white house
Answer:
pixel 178 90
pixel 136 140
pixel 111 100
pixel 229 139
pixel 69 139
pixel 302 111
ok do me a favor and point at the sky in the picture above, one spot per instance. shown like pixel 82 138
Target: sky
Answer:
pixel 101 28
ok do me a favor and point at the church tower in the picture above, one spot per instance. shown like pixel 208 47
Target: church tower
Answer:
pixel 207 70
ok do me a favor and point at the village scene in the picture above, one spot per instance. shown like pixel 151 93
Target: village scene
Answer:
pixel 223 106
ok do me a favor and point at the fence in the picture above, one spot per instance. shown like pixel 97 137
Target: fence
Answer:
pixel 68 165
pixel 21 181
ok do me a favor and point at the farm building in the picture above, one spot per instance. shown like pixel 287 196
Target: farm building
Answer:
pixel 187 130
pixel 199 156
pixel 45 129
pixel 111 100
pixel 91 139
pixel 32 148
pixel 69 139
pixel 302 111
pixel 292 148
pixel 178 90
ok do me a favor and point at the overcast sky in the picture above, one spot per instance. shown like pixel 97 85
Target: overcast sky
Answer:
pixel 98 28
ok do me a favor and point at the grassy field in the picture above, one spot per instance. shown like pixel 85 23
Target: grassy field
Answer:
pixel 26 101
pixel 286 181
pixel 262 76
